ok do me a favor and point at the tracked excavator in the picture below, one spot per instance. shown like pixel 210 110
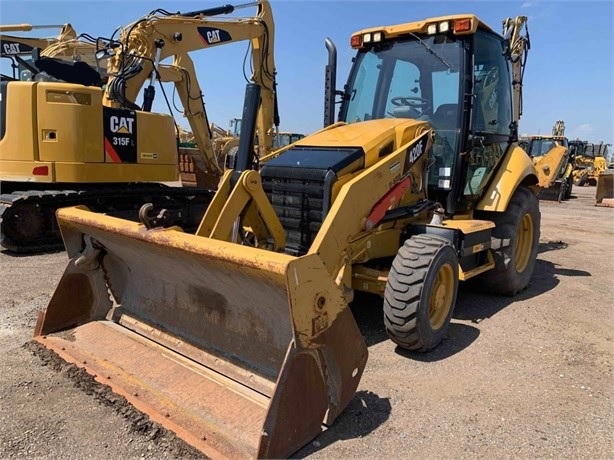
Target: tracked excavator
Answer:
pixel 77 143
pixel 240 337
pixel 553 160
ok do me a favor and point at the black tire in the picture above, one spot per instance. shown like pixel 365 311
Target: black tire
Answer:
pixel 561 191
pixel 582 179
pixel 568 188
pixel 421 292
pixel 515 240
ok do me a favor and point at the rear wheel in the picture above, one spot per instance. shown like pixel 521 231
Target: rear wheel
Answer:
pixel 421 292
pixel 515 243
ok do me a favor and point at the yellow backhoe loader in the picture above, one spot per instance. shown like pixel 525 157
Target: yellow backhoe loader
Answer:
pixel 122 153
pixel 554 163
pixel 589 161
pixel 239 337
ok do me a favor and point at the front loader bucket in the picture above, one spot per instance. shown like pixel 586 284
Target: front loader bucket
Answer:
pixel 241 352
pixel 555 192
pixel 604 193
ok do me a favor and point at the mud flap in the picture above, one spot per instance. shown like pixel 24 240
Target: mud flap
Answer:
pixel 242 352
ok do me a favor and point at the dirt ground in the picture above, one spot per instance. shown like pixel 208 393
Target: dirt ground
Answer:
pixel 523 377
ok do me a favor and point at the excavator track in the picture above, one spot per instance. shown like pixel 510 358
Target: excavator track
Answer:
pixel 27 217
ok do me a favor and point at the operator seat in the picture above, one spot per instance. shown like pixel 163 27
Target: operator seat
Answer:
pixel 446 116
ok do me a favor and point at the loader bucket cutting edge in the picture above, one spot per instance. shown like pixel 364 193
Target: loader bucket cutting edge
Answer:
pixel 241 352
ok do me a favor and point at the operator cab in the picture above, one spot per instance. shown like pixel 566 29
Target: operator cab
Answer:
pixel 457 81
pixel 540 146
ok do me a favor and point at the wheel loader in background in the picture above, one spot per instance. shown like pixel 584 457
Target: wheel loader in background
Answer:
pixel 122 153
pixel 240 337
pixel 554 163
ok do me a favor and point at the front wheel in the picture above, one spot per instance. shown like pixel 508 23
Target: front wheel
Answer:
pixel 568 188
pixel 515 240
pixel 421 292
pixel 580 181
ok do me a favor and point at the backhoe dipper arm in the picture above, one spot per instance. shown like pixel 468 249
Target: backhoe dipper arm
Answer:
pixel 559 128
pixel 519 45
pixel 154 38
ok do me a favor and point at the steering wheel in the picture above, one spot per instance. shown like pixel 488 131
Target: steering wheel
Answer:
pixel 418 105
pixel 412 101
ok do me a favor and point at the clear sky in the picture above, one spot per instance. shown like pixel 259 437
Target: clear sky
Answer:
pixel 569 73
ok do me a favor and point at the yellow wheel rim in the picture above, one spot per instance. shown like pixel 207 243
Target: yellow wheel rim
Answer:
pixel 441 296
pixel 524 243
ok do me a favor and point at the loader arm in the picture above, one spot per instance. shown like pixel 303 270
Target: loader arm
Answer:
pixel 153 38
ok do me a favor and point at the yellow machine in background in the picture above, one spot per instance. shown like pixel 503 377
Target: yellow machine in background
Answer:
pixel 225 144
pixel 239 337
pixel 285 138
pixel 122 152
pixel 589 161
pixel 552 158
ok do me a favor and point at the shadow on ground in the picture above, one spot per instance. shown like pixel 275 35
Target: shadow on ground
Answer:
pixel 471 305
pixel 365 413
pixel 14 254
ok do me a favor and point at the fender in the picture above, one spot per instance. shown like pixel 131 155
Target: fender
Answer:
pixel 516 168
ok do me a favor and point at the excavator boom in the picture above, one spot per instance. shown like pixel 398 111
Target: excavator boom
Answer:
pixel 155 37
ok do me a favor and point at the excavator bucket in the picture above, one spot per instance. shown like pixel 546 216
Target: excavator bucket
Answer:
pixel 241 352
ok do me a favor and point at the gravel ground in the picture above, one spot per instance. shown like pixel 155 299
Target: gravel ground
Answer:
pixel 523 377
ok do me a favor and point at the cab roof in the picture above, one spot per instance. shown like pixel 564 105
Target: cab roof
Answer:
pixel 420 27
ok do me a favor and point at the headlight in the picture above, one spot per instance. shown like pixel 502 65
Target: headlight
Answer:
pixel 444 27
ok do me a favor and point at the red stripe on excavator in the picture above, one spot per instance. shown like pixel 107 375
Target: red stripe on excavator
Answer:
pixel 393 196
pixel 109 150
